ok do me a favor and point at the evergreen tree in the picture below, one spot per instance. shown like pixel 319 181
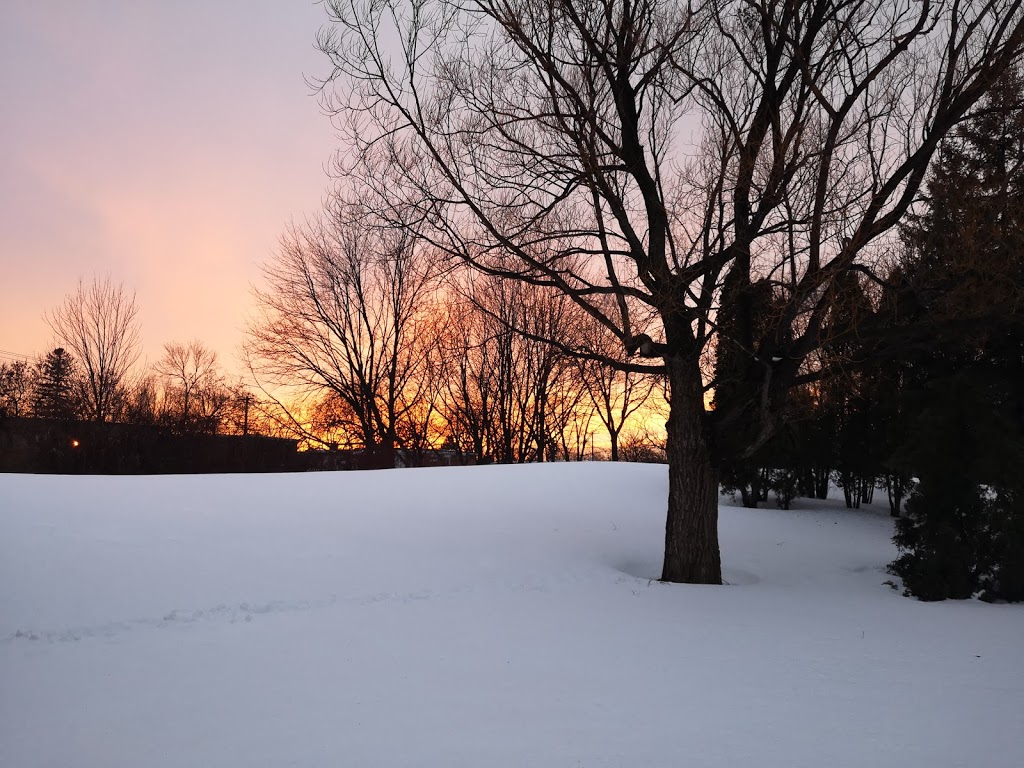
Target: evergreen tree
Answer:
pixel 742 324
pixel 893 408
pixel 942 536
pixel 1005 580
pixel 963 385
pixel 57 387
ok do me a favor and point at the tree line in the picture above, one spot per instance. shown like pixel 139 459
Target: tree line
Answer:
pixel 92 375
pixel 364 342
pixel 378 342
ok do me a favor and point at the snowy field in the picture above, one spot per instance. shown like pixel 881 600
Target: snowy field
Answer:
pixel 479 617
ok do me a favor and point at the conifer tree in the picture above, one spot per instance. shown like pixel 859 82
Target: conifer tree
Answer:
pixel 57 387
pixel 964 385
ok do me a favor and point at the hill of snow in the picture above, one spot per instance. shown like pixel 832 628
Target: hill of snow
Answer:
pixel 480 617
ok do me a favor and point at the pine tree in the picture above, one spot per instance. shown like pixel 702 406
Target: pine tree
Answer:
pixel 742 324
pixel 964 385
pixel 56 391
pixel 847 397
pixel 942 536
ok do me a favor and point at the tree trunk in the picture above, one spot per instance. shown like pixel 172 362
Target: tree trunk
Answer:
pixel 691 530
pixel 867 492
pixel 764 484
pixel 851 489
pixel 895 488
pixel 750 494
pixel 821 489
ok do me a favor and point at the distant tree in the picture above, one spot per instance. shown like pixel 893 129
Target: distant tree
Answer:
pixel 15 388
pixel 816 449
pixel 141 403
pixel 741 472
pixel 642 445
pixel 346 309
pixel 892 407
pixel 244 413
pixel 548 391
pixel 616 395
pixel 211 406
pixel 568 412
pixel 57 388
pixel 508 394
pixel 194 390
pixel 99 325
pixel 847 392
pixel 577 441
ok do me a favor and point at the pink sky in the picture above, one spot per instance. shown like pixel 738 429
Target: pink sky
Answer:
pixel 166 144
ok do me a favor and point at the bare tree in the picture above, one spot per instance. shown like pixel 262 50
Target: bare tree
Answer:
pixel 578 434
pixel 642 445
pixel 507 392
pixel 342 315
pixel 467 399
pixel 99 325
pixel 422 429
pixel 142 403
pixel 194 390
pixel 616 395
pixel 568 412
pixel 667 155
pixel 245 413
pixel 15 388
pixel 546 395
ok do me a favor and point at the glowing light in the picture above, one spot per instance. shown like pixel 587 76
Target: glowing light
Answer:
pixel 75 443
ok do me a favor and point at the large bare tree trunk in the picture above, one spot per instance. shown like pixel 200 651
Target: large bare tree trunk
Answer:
pixel 691 530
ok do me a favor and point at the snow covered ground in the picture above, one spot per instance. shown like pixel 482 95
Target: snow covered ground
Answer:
pixel 484 617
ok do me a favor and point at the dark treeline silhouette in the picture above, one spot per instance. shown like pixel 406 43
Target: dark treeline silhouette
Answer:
pixel 185 393
pixel 383 346
pixel 398 362
pixel 61 446
pixel 85 407
pixel 158 423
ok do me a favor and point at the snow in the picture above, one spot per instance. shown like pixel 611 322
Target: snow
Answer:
pixel 487 616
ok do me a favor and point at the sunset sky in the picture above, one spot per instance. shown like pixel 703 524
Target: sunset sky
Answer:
pixel 166 144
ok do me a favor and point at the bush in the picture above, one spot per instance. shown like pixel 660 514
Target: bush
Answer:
pixel 944 537
pixel 1005 578
pixel 746 479
pixel 643 448
pixel 784 486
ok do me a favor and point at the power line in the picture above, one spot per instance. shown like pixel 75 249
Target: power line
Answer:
pixel 16 356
